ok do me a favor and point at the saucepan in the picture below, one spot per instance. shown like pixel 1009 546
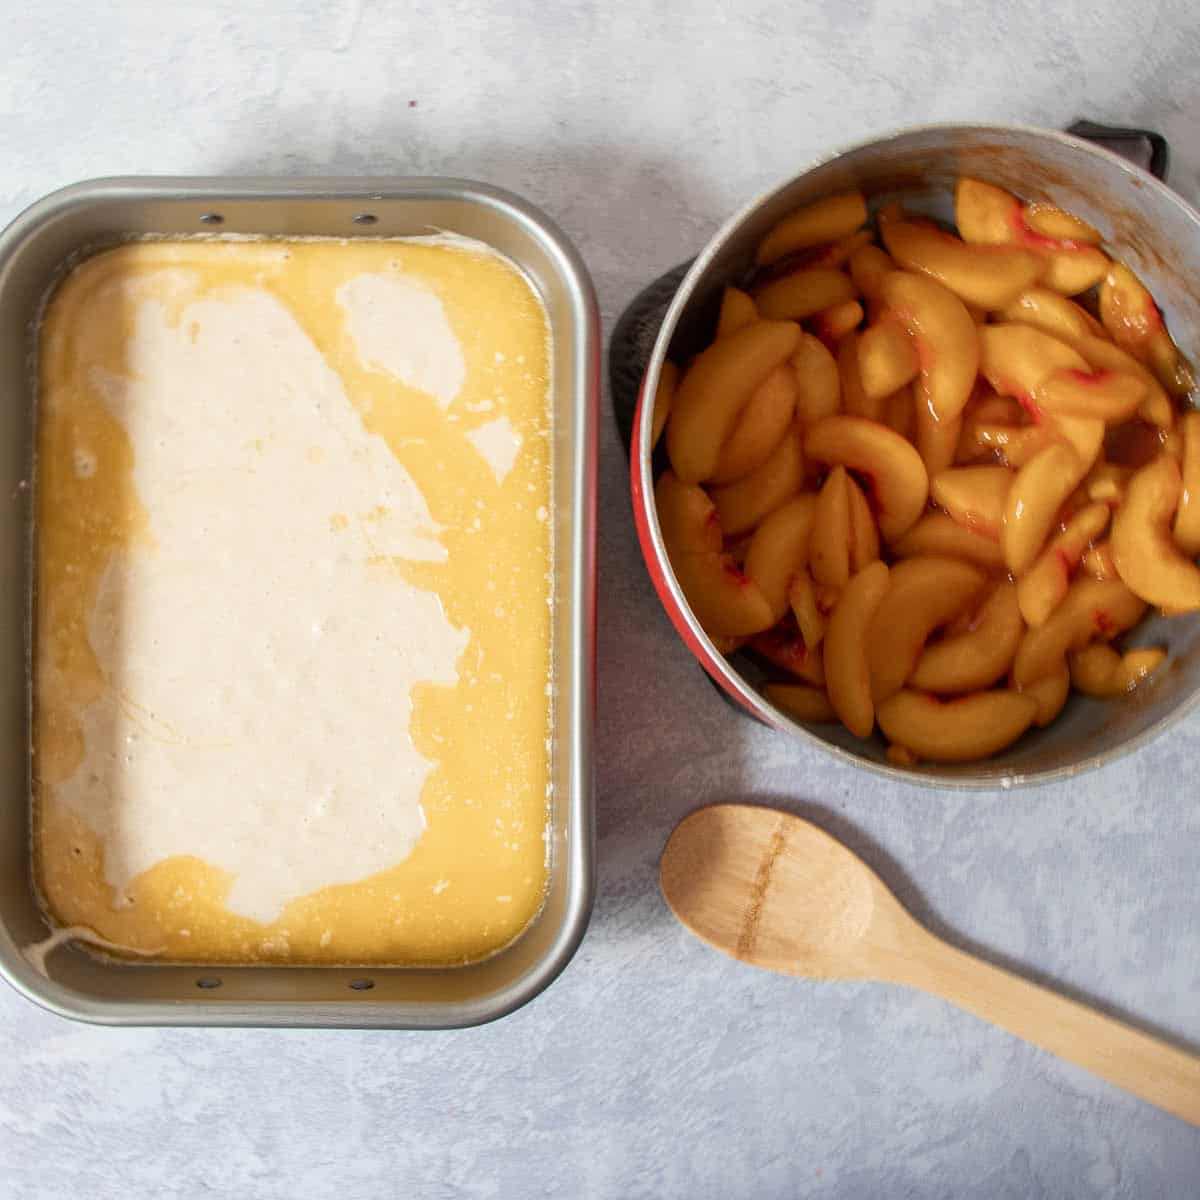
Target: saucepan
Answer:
pixel 1145 224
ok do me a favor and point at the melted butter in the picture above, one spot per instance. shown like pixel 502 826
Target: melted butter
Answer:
pixel 471 880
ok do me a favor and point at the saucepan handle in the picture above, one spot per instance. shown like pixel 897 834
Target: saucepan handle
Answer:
pixel 1144 147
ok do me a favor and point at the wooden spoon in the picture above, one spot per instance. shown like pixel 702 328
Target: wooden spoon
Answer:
pixel 775 891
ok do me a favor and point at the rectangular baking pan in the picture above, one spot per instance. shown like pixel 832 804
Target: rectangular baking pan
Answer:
pixel 89 216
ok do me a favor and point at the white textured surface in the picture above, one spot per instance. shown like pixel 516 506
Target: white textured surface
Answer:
pixel 653 1067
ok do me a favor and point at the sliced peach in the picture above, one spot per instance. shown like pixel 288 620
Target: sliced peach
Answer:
pixel 985 213
pixel 855 400
pixel 1147 558
pixel 804 293
pixel 742 505
pixel 1036 495
pixel 829 548
pixel 1091 609
pixel 801 703
pixel 887 358
pixel 668 380
pixel 1052 314
pixel 868 265
pixel 899 413
pixel 779 548
pixel 901 756
pixel 837 253
pixel 976 658
pixel 1044 585
pixel 946 339
pixel 847 677
pixel 1050 694
pixel 974 496
pixel 788 652
pixel 1157 407
pixel 896 473
pixel 715 388
pixel 1016 358
pixel 1053 222
pixel 1073 269
pixel 1097 561
pixel 1187 516
pixel 760 427
pixel 833 324
pixel 940 535
pixel 818 389
pixel 725 601
pixel 802 596
pixel 687 518
pixel 923 594
pixel 822 221
pixel 1098 670
pixel 987 276
pixel 958 730
pixel 937 440
pixel 1128 312
pixel 864 536
pixel 737 311
pixel 1105 395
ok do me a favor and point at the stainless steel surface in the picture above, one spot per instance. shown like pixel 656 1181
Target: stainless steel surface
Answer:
pixel 1146 224
pixel 89 215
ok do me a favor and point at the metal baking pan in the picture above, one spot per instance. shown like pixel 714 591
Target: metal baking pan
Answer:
pixel 89 216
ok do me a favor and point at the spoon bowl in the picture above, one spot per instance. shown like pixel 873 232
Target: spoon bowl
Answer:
pixel 773 890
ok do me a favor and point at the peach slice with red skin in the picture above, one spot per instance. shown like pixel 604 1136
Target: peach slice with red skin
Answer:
pixel 788 652
pixel 1098 670
pixel 1187 517
pixel 977 657
pixel 1133 320
pixel 779 548
pixel 1043 586
pixel 887 358
pixel 687 517
pixel 974 496
pixel 824 220
pixel 760 427
pixel 937 441
pixel 833 324
pixel 897 477
pixel 714 390
pixel 1105 395
pixel 829 547
pixel 725 601
pixel 1092 609
pixel 1145 554
pixel 940 535
pixel 801 703
pixel 1157 407
pixel 1053 222
pixel 945 336
pixel 737 311
pixel 803 293
pixel 1036 495
pixel 923 594
pixel 664 394
pixel 847 678
pixel 1052 314
pixel 1015 358
pixel 958 730
pixel 989 215
pixel 818 387
pixel 987 276
pixel 742 505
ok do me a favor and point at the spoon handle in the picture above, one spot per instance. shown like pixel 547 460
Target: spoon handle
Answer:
pixel 1146 1066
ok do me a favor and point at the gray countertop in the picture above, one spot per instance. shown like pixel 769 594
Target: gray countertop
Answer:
pixel 653 1067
